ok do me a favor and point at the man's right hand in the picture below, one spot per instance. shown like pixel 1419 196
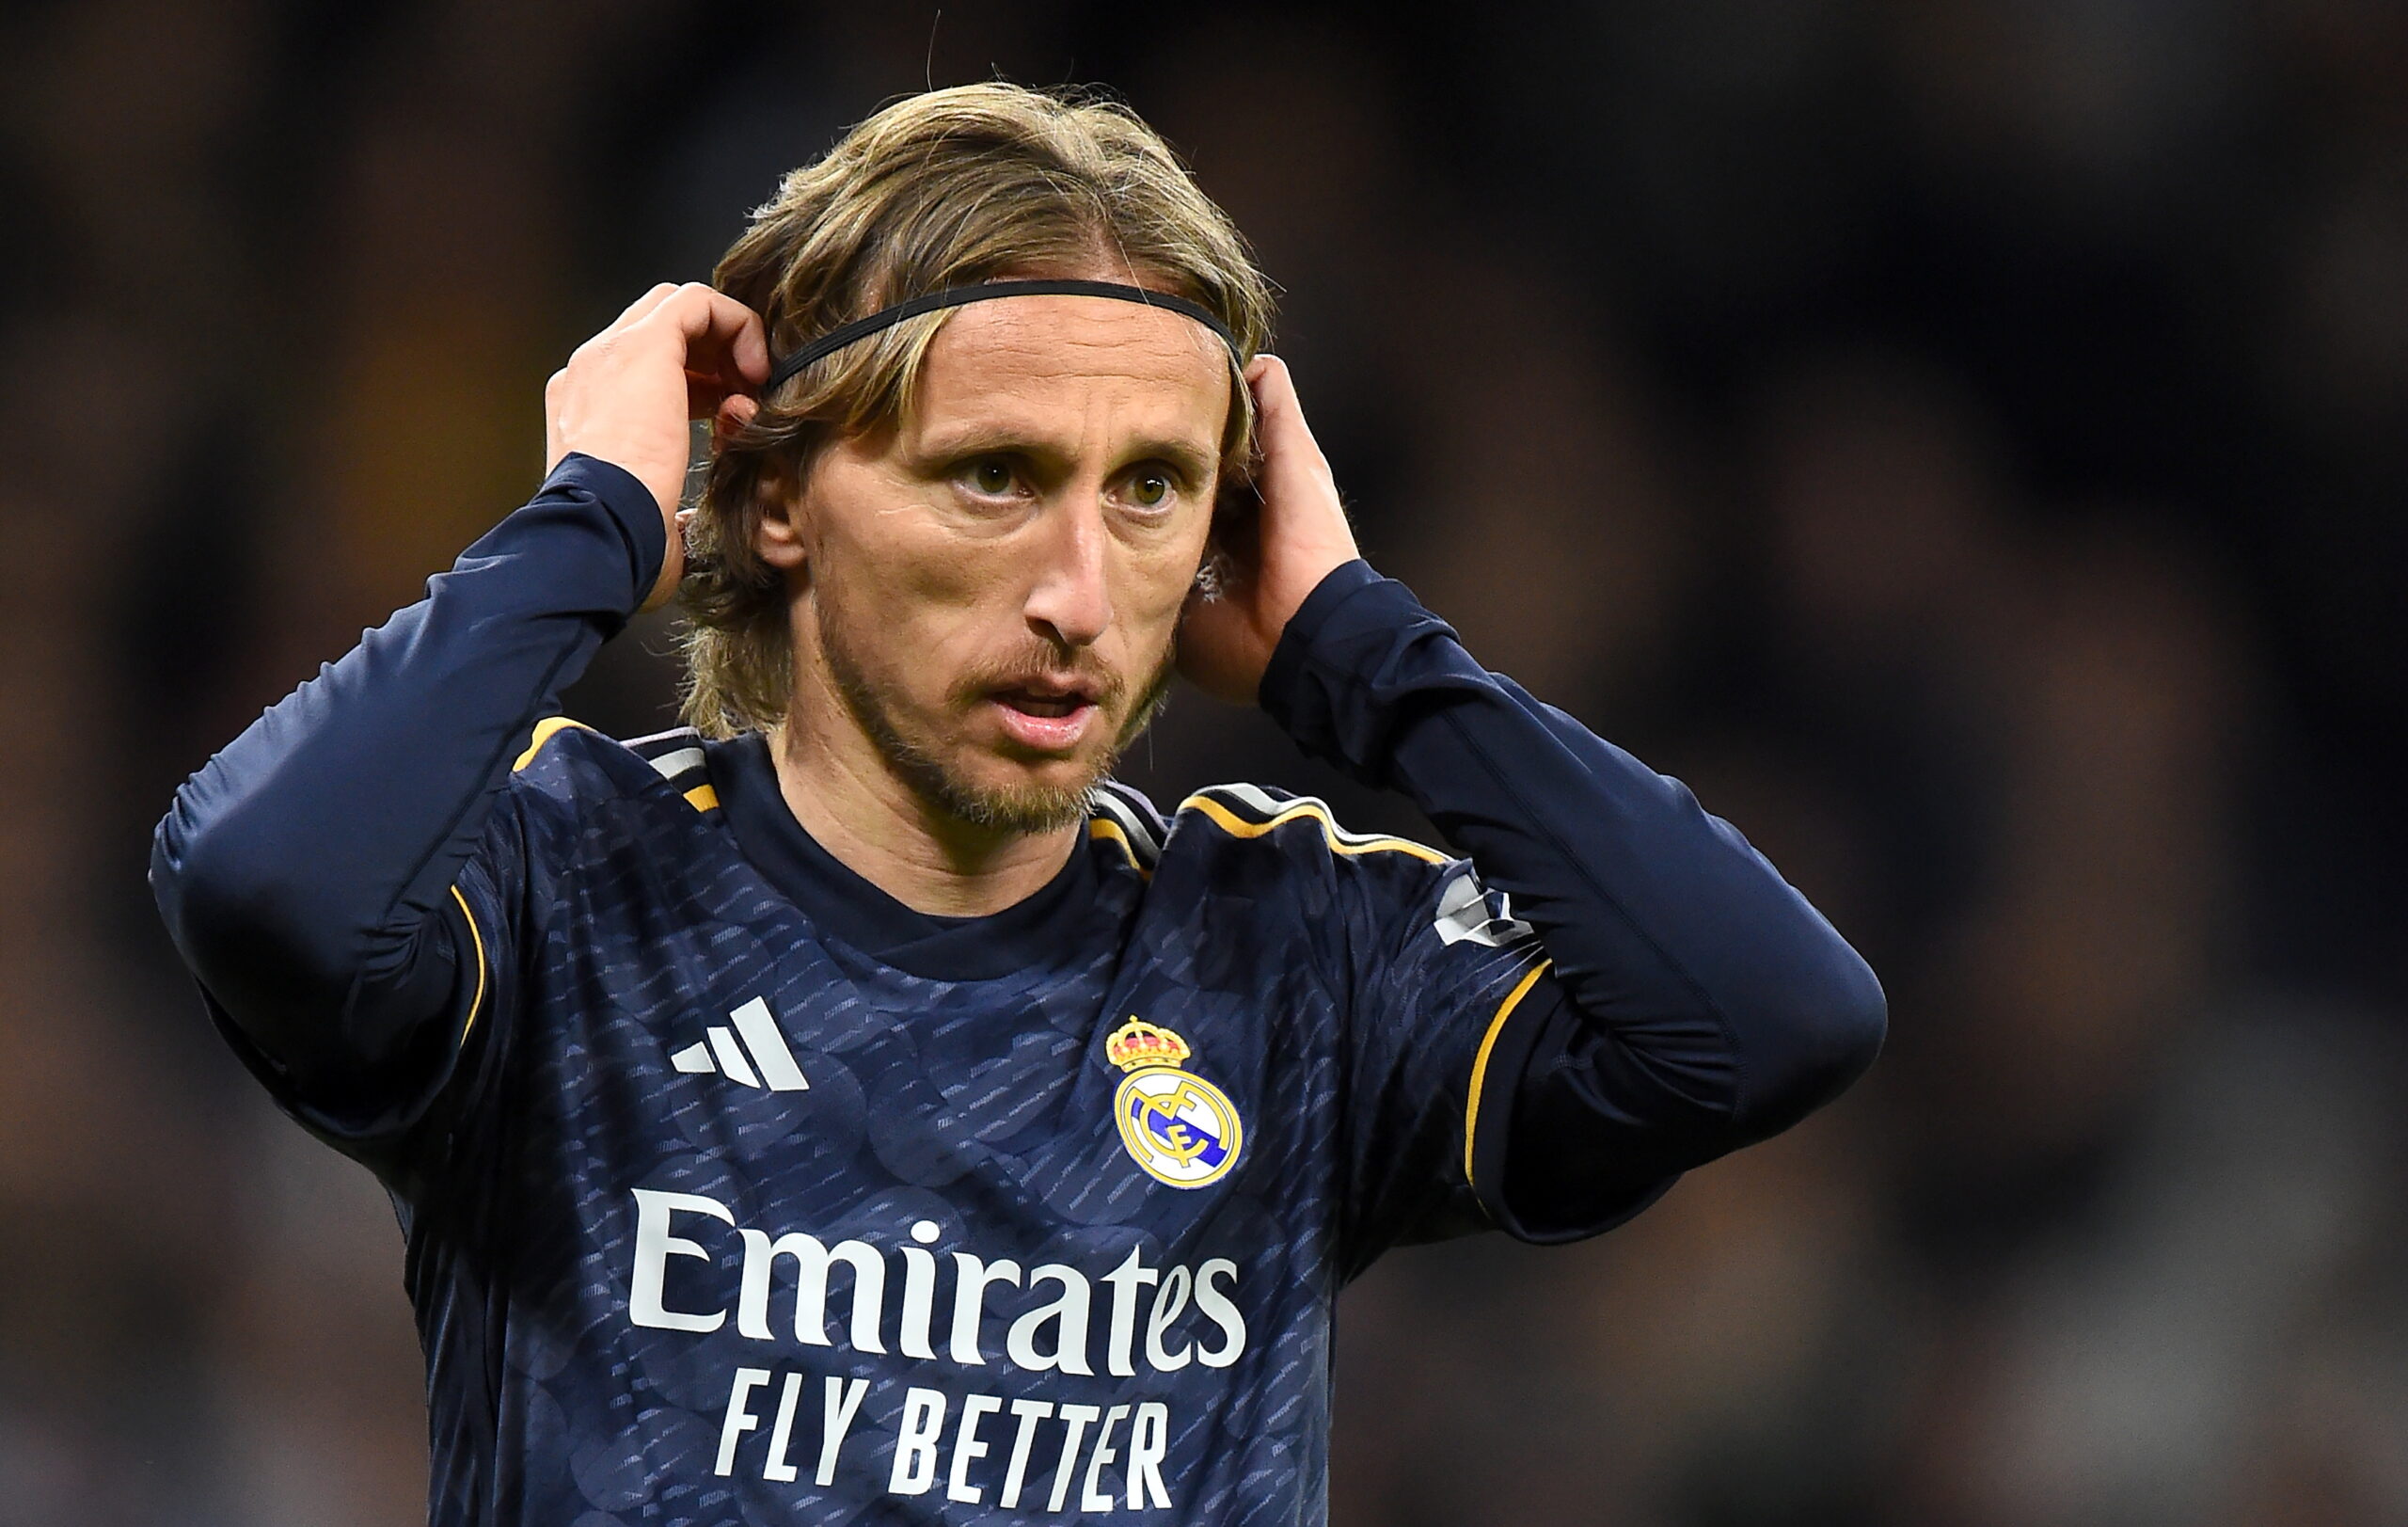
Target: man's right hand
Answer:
pixel 680 353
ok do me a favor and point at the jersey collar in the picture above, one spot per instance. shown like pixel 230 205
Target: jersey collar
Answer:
pixel 1030 933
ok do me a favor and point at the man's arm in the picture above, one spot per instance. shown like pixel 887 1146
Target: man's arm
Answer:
pixel 307 872
pixel 1694 1002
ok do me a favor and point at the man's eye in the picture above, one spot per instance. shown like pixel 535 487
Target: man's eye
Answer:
pixel 992 477
pixel 1150 491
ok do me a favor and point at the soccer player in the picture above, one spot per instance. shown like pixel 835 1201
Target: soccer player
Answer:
pixel 857 1107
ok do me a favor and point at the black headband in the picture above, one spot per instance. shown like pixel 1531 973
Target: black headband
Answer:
pixel 862 329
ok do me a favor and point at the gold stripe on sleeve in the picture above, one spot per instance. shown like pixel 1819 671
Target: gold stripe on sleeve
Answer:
pixel 1480 1062
pixel 476 1005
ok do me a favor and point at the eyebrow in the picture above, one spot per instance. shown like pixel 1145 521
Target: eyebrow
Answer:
pixel 1004 439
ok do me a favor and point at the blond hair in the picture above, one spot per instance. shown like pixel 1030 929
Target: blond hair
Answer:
pixel 938 190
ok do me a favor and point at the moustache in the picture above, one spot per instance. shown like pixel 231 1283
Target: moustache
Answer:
pixel 1040 669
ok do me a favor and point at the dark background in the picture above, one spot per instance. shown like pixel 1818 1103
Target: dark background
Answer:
pixel 1963 438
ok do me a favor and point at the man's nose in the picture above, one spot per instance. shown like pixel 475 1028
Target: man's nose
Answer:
pixel 1070 604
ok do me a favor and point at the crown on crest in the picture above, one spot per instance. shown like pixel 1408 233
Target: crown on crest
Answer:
pixel 1138 1043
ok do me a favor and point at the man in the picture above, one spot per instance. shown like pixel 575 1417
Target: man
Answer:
pixel 859 1107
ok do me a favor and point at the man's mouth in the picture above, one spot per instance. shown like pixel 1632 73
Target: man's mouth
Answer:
pixel 1044 717
pixel 1042 705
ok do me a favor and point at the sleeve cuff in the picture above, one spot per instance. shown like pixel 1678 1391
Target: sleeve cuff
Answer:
pixel 631 508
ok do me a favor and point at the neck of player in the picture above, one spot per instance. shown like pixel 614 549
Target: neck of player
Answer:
pixel 840 789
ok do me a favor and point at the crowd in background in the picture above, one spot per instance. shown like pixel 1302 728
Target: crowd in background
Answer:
pixel 1966 440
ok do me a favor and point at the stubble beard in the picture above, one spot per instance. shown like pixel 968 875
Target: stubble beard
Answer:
pixel 1023 810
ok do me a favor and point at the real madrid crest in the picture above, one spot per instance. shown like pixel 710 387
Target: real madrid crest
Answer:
pixel 1179 1127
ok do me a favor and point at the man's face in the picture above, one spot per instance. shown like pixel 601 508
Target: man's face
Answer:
pixel 993 592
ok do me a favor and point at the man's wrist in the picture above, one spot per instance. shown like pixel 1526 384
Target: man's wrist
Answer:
pixel 1288 655
pixel 633 511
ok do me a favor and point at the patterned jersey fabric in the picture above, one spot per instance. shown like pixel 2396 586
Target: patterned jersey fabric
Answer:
pixel 723 1218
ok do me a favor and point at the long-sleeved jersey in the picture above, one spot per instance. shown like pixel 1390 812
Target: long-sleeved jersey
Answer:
pixel 735 1191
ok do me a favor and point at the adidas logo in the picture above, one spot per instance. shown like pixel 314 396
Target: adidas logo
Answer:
pixel 753 1054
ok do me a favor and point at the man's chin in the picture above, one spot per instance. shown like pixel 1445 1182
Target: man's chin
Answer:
pixel 1016 799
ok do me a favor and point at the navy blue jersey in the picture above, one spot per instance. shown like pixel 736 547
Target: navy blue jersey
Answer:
pixel 796 1225
pixel 736 1192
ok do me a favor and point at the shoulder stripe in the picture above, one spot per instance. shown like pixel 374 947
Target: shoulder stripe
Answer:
pixel 1134 804
pixel 651 742
pixel 550 728
pixel 1278 814
pixel 670 765
pixel 676 755
pixel 1112 832
pixel 1480 1062
pixel 477 1003
pixel 670 753
pixel 1116 818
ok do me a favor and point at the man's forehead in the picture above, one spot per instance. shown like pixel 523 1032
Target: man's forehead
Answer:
pixel 1069 340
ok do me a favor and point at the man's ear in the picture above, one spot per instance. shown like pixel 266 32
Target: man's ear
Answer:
pixel 778 525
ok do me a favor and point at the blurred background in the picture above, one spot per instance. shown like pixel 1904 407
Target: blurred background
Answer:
pixel 1965 439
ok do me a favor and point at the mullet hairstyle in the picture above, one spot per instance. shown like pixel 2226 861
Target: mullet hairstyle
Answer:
pixel 950 188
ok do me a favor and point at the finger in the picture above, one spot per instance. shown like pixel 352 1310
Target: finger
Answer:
pixel 708 393
pixel 720 334
pixel 1273 389
pixel 734 341
pixel 644 305
pixel 708 397
pixel 1280 416
pixel 749 346
pixel 734 412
